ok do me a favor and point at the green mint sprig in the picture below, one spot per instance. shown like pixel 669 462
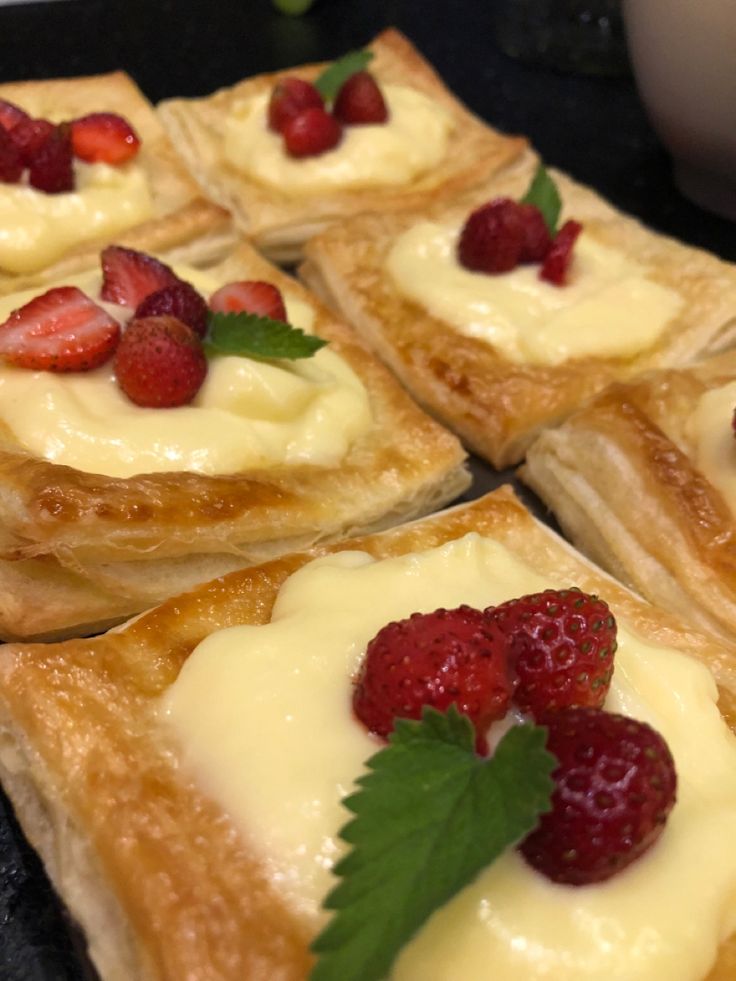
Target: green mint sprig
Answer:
pixel 329 83
pixel 543 193
pixel 252 336
pixel 429 815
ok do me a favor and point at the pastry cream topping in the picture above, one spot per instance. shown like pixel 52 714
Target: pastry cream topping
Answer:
pixel 609 308
pixel 37 228
pixel 413 141
pixel 248 413
pixel 263 716
pixel 715 442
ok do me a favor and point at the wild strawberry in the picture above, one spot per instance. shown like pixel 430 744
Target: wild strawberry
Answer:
pixel 250 296
pixel 50 165
pixel 61 330
pixel 443 658
pixel 360 101
pixel 160 362
pixel 558 259
pixel 11 165
pixel 128 277
pixel 537 239
pixel 312 132
pixel 104 137
pixel 10 114
pixel 28 136
pixel 615 786
pixel 563 642
pixel 179 300
pixel 493 237
pixel 291 96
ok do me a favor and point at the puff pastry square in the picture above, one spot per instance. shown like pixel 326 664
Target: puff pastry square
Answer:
pixel 498 406
pixel 179 213
pixel 622 478
pixel 278 222
pixel 163 883
pixel 79 551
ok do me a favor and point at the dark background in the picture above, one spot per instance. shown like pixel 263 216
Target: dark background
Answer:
pixel 592 126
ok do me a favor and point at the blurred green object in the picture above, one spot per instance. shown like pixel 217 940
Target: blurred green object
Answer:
pixel 292 7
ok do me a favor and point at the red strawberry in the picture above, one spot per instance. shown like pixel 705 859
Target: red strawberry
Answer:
pixel 181 301
pixel 615 786
pixel 128 277
pixel 28 136
pixel 10 114
pixel 312 132
pixel 104 137
pixel 11 165
pixel 447 657
pixel 558 259
pixel 291 96
pixel 50 163
pixel 160 362
pixel 537 239
pixel 61 330
pixel 360 101
pixel 493 237
pixel 563 642
pixel 250 296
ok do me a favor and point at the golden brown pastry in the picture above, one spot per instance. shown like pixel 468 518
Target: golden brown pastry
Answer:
pixel 498 401
pixel 278 220
pixel 80 550
pixel 625 480
pixel 163 882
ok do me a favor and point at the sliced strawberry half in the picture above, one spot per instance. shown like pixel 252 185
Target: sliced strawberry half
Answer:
pixel 128 277
pixel 250 296
pixel 104 137
pixel 61 330
pixel 10 114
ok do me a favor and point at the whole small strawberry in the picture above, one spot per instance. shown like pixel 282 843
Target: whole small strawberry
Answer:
pixel 249 296
pixel 11 163
pixel 562 642
pixel 493 237
pixel 289 97
pixel 360 101
pixel 312 132
pixel 28 136
pixel 10 114
pixel 438 659
pixel 160 362
pixel 50 166
pixel 615 785
pixel 179 300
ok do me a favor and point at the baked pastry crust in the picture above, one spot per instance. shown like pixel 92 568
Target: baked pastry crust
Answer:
pixel 495 405
pixel 279 223
pixel 174 195
pixel 621 479
pixel 178 890
pixel 79 551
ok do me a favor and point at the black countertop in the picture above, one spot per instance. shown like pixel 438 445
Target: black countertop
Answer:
pixel 590 126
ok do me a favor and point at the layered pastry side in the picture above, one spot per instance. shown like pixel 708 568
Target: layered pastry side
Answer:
pixel 499 355
pixel 110 506
pixel 209 743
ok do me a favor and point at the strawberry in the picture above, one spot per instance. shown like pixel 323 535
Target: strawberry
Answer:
pixel 312 132
pixel 160 362
pixel 537 239
pixel 359 100
pixel 50 163
pixel 250 296
pixel 10 114
pixel 615 785
pixel 61 330
pixel 447 657
pixel 179 300
pixel 28 136
pixel 493 237
pixel 128 277
pixel 558 259
pixel 11 165
pixel 289 97
pixel 104 137
pixel 563 642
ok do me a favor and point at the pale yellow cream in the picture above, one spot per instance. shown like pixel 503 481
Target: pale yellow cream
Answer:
pixel 411 142
pixel 608 308
pixel 248 413
pixel 715 443
pixel 38 228
pixel 263 716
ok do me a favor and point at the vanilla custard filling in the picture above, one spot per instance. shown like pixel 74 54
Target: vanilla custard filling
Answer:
pixel 608 308
pixel 247 414
pixel 715 441
pixel 263 717
pixel 411 142
pixel 37 228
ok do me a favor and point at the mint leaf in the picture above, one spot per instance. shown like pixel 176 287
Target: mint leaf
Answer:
pixel 429 815
pixel 328 84
pixel 253 336
pixel 544 194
